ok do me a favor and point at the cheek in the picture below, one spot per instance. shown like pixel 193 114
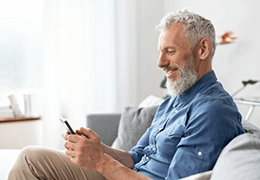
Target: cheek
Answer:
pixel 182 59
pixel 188 58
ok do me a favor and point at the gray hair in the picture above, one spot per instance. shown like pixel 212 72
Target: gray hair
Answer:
pixel 196 27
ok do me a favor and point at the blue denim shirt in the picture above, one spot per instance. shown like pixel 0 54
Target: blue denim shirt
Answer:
pixel 188 132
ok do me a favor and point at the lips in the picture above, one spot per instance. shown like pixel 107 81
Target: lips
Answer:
pixel 170 72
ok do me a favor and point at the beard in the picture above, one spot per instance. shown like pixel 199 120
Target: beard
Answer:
pixel 187 78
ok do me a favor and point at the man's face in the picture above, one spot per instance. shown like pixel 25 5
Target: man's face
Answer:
pixel 176 60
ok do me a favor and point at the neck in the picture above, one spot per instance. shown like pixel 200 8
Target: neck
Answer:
pixel 204 68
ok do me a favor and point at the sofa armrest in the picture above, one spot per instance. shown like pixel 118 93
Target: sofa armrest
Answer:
pixel 8 158
pixel 105 125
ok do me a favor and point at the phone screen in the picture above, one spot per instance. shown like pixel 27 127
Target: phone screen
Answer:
pixel 67 125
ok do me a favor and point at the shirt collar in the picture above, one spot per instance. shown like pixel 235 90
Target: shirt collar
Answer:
pixel 200 86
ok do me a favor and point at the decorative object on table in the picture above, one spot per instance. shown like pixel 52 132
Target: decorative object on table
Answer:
pixel 32 107
pixel 15 105
pixel 226 36
pixel 163 83
pixel 23 104
pixel 6 112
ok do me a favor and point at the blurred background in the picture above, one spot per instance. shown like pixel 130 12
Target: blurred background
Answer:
pixel 86 56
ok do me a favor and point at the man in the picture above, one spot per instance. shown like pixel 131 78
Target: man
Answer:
pixel 189 130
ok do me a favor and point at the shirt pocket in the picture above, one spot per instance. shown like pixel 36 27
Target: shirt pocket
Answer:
pixel 169 139
pixel 175 129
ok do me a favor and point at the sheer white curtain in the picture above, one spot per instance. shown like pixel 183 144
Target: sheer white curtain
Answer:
pixel 90 62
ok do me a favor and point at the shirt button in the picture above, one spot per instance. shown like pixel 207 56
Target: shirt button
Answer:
pixel 200 153
pixel 147 158
pixel 175 111
pixel 160 129
pixel 154 149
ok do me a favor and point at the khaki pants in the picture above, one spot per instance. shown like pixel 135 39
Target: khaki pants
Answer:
pixel 43 163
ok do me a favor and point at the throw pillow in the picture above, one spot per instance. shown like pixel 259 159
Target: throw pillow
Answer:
pixel 240 158
pixel 151 101
pixel 200 176
pixel 133 124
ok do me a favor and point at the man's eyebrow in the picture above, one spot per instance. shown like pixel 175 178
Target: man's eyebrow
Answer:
pixel 168 47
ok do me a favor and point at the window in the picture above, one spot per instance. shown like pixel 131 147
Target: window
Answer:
pixel 21 45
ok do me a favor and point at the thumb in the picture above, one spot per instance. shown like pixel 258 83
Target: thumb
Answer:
pixel 89 133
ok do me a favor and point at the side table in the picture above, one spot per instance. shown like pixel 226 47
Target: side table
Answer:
pixel 18 132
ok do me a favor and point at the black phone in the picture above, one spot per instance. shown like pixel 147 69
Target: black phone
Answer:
pixel 67 125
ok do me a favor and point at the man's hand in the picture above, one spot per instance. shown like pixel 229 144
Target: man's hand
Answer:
pixel 84 148
pixel 65 134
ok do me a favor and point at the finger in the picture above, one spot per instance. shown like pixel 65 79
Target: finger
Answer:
pixel 89 133
pixel 69 145
pixel 64 135
pixel 79 132
pixel 70 153
pixel 74 138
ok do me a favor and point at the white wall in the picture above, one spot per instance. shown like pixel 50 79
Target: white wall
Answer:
pixel 236 62
pixel 149 14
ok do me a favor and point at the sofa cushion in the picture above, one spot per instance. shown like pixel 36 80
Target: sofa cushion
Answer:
pixel 133 124
pixel 240 159
pixel 151 101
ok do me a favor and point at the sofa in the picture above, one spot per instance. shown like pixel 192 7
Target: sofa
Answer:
pixel 240 159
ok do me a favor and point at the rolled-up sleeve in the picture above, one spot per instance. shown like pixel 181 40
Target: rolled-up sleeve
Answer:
pixel 137 151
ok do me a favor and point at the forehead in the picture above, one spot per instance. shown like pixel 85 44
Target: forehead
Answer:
pixel 172 36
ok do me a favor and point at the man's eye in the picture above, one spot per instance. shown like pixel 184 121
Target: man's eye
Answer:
pixel 171 52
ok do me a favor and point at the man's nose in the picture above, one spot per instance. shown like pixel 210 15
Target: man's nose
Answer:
pixel 162 61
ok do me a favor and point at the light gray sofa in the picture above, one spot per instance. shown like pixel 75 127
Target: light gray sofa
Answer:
pixel 105 125
pixel 240 160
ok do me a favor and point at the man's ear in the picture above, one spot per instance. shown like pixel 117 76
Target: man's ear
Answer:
pixel 204 48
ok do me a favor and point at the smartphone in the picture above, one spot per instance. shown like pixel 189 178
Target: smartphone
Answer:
pixel 67 125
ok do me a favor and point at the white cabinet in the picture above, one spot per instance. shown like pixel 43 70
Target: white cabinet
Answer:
pixel 20 133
